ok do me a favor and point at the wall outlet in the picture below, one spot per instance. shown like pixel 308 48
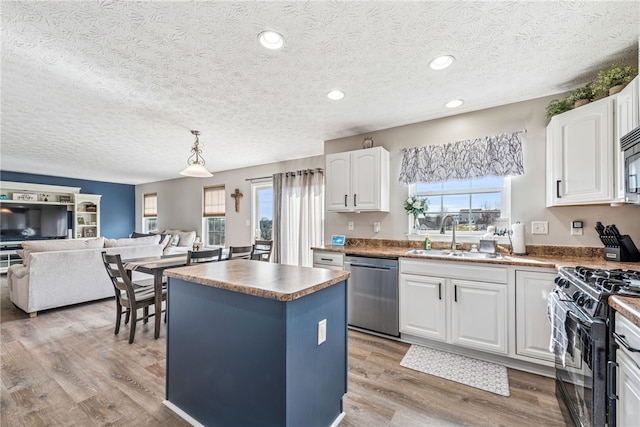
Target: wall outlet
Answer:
pixel 350 226
pixel 539 227
pixel 376 227
pixel 322 331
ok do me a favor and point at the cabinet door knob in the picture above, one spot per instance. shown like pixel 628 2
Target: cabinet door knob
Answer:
pixel 558 189
pixel 345 200
pixel 440 291
pixel 354 200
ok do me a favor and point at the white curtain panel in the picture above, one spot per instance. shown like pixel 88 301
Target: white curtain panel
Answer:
pixel 299 225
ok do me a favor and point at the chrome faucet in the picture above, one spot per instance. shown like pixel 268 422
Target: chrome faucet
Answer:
pixel 454 223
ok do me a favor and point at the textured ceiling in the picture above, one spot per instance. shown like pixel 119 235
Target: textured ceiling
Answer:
pixel 110 90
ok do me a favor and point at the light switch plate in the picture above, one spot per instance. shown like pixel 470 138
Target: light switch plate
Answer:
pixel 539 227
pixel 350 225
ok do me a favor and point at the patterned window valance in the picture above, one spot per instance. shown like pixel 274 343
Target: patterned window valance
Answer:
pixel 498 155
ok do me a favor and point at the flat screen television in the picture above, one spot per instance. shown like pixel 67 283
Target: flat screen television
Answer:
pixel 32 222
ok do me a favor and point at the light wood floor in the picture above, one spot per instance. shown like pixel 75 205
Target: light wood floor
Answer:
pixel 66 368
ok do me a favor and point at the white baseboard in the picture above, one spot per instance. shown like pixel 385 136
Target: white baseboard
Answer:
pixel 188 418
pixel 336 422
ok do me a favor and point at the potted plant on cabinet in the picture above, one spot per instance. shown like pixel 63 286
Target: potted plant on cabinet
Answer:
pixel 615 79
pixel 581 96
pixel 557 107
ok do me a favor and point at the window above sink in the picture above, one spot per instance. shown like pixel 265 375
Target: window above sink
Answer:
pixel 475 204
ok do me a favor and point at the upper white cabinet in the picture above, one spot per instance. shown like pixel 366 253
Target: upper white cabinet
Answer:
pixel 584 161
pixel 627 118
pixel 580 155
pixel 358 180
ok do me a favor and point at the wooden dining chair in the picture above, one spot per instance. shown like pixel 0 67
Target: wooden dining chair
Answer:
pixel 262 250
pixel 240 252
pixel 127 296
pixel 209 255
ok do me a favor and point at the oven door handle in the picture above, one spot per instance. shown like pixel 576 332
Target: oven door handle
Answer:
pixel 580 321
pixel 611 377
pixel 625 344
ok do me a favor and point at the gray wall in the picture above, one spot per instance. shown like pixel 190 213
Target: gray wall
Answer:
pixel 528 190
pixel 180 200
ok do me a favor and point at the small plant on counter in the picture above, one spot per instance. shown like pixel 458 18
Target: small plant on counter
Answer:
pixel 416 206
pixel 616 76
pixel 584 93
pixel 558 107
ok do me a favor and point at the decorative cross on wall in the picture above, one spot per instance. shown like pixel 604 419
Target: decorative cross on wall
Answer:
pixel 237 195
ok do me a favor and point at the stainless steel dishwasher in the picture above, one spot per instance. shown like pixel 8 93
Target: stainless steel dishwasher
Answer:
pixel 372 294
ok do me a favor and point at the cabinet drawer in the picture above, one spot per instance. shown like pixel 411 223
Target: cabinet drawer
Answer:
pixel 454 270
pixel 328 259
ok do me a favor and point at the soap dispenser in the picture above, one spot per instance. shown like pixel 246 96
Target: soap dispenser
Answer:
pixel 427 243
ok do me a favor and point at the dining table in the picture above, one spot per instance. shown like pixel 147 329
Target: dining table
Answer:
pixel 155 266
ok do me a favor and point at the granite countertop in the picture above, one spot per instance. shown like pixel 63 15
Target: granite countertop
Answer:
pixel 557 256
pixel 629 307
pixel 261 279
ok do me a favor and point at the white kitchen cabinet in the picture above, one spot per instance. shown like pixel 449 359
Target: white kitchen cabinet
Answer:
pixel 627 373
pixel 358 180
pixel 628 410
pixel 461 304
pixel 532 326
pixel 423 306
pixel 479 315
pixel 580 152
pixel 627 118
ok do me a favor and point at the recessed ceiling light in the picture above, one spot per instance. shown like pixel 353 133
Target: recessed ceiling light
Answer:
pixel 335 95
pixel 271 40
pixel 454 103
pixel 441 62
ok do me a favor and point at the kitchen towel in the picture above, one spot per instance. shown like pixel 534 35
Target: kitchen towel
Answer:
pixel 517 239
pixel 557 315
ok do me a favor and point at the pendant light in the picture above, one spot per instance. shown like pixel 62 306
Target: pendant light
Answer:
pixel 196 162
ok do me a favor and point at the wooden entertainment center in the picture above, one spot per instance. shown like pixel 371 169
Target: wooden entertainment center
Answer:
pixel 85 209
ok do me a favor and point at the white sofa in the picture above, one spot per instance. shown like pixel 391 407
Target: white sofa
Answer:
pixel 56 273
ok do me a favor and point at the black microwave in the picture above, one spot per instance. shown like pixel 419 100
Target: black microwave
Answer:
pixel 630 145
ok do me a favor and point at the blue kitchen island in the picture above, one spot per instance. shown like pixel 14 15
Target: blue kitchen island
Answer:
pixel 242 344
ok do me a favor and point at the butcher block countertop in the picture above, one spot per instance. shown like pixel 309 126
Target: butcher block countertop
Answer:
pixel 261 279
pixel 629 307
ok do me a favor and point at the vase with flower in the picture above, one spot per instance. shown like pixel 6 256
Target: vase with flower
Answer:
pixel 416 206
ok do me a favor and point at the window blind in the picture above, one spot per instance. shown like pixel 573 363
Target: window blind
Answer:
pixel 150 205
pixel 214 204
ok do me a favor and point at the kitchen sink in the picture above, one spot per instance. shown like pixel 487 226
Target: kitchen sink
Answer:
pixel 458 254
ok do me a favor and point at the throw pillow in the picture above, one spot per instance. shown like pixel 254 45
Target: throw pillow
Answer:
pixel 187 238
pixel 175 240
pixel 164 239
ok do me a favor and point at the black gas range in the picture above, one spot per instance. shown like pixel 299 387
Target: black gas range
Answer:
pixel 581 375
pixel 589 288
